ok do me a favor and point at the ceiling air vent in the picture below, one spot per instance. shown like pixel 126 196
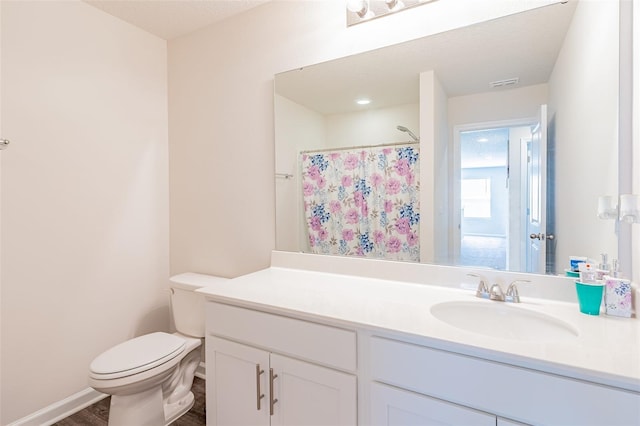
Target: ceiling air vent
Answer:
pixel 503 83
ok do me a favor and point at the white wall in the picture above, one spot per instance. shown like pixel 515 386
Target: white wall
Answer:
pixel 636 132
pixel 1 133
pixel 586 73
pixel 373 126
pixel 298 128
pixel 499 105
pixel 221 115
pixel 84 195
pixel 434 171
pixel 441 174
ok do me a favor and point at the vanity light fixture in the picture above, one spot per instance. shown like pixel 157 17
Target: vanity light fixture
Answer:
pixel 629 208
pixel 607 207
pixel 394 5
pixel 363 10
pixel 626 210
pixel 360 8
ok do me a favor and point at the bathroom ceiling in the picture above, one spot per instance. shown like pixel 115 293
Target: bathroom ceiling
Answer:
pixel 169 19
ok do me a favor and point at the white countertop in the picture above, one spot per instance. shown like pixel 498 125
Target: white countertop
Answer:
pixel 606 350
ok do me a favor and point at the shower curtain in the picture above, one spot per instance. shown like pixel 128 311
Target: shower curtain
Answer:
pixel 363 202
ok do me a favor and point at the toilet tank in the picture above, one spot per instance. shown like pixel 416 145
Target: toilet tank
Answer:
pixel 187 306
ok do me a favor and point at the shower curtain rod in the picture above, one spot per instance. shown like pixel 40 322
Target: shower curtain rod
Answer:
pixel 362 146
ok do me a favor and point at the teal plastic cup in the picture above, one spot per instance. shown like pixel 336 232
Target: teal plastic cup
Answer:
pixel 589 297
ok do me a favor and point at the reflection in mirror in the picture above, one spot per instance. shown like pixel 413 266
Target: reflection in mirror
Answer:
pixel 517 121
pixel 359 11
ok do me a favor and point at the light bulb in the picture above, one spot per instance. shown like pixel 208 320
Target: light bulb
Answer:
pixel 361 8
pixel 394 5
pixel 355 6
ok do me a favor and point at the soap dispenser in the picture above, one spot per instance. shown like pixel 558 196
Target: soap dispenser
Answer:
pixel 603 268
pixel 617 293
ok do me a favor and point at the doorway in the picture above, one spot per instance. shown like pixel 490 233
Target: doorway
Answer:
pixel 490 194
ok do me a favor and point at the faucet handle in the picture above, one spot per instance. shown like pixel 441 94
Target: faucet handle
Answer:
pixel 496 293
pixel 512 291
pixel 482 291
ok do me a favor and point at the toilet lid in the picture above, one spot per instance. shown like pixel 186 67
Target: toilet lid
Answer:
pixel 137 355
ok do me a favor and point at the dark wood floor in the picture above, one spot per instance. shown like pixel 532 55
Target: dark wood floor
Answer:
pixel 98 413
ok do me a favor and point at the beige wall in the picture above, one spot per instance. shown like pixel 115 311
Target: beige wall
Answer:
pixel 221 115
pixel 84 195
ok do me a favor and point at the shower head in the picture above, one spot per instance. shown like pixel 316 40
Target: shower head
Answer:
pixel 404 129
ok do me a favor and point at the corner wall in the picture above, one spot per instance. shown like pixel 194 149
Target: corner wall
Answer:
pixel 587 73
pixel 84 196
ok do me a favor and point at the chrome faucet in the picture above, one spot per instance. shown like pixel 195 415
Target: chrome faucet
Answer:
pixel 512 292
pixel 496 293
pixel 482 291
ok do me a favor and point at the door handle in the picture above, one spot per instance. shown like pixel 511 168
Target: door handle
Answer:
pixel 542 237
pixel 272 400
pixel 259 394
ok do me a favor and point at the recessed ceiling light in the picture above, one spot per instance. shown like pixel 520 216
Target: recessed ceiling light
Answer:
pixel 363 101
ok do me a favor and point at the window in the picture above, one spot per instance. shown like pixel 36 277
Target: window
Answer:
pixel 476 198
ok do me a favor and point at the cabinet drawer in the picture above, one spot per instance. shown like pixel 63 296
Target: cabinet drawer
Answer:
pixel 517 393
pixel 315 342
pixel 393 407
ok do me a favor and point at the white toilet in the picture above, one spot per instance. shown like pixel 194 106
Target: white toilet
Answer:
pixel 149 377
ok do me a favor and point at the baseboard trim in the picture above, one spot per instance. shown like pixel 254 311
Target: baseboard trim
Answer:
pixel 201 371
pixel 71 405
pixel 61 409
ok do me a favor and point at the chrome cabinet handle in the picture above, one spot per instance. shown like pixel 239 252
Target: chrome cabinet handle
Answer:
pixel 259 394
pixel 272 400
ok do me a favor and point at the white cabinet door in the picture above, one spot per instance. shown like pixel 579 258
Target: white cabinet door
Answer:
pixel 239 389
pixel 396 407
pixel 237 377
pixel 311 395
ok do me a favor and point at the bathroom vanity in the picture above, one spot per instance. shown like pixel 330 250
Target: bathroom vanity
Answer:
pixel 293 346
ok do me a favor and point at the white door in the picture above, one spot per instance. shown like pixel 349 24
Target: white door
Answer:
pixel 310 395
pixel 237 384
pixel 537 195
pixel 396 407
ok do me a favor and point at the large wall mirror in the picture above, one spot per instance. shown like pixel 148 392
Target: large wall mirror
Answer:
pixel 486 146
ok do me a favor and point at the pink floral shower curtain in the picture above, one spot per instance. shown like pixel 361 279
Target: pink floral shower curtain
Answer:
pixel 363 202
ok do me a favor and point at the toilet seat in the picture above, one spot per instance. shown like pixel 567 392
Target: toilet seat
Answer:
pixel 136 355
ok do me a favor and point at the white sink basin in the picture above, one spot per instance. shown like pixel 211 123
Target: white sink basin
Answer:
pixel 498 319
